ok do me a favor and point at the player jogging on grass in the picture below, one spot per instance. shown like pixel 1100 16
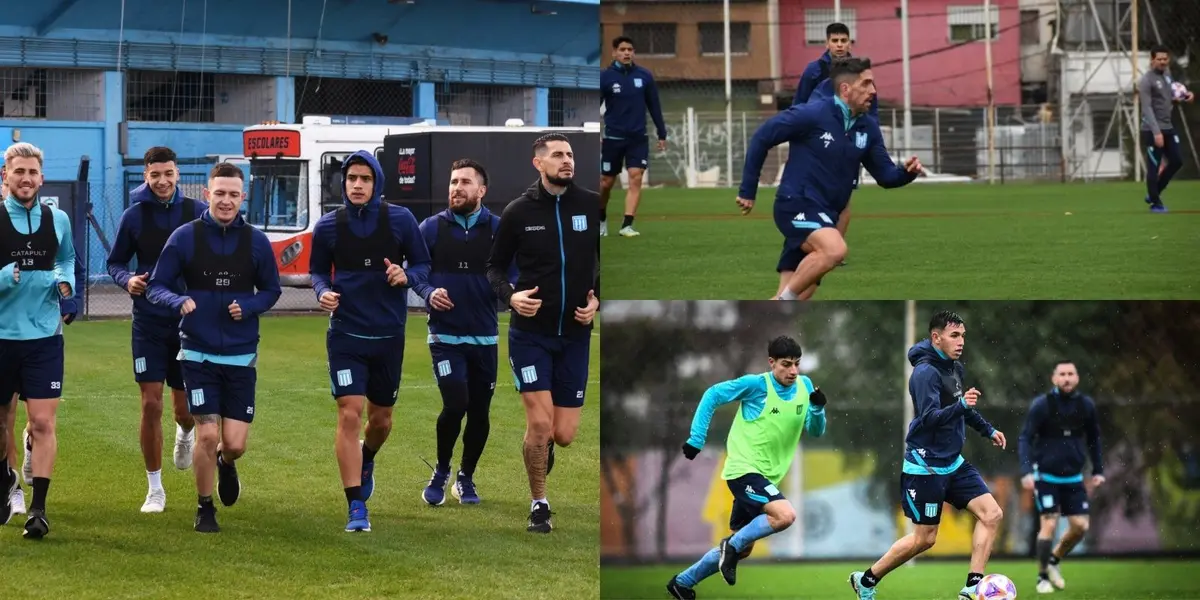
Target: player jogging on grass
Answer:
pixel 773 413
pixel 627 91
pixel 220 274
pixel 357 253
pixel 828 141
pixel 158 208
pixel 934 471
pixel 1052 458
pixel 464 326
pixel 37 239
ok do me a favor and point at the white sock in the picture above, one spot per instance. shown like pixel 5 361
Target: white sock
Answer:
pixel 534 504
pixel 155 478
pixel 787 295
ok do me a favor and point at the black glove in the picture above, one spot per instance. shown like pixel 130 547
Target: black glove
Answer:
pixel 817 398
pixel 68 308
pixel 690 451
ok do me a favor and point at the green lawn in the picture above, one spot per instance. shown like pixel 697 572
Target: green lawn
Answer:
pixel 941 580
pixel 284 538
pixel 924 241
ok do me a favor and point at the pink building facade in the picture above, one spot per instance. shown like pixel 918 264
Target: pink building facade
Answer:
pixel 946 76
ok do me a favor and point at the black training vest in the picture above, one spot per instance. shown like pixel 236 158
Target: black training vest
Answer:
pixel 212 272
pixel 353 253
pixel 33 252
pixel 468 257
pixel 152 238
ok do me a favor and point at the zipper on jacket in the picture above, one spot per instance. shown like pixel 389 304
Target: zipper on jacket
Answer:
pixel 221 295
pixel 562 270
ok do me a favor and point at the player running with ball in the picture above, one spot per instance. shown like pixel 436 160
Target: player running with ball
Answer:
pixel 773 414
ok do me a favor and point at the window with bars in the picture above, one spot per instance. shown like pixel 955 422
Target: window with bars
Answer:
pixel 712 38
pixel 652 39
pixel 817 19
pixel 356 97
pixel 573 107
pixel 1031 24
pixel 483 105
pixel 189 97
pixel 51 94
pixel 971 23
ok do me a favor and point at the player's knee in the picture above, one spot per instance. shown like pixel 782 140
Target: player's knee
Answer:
pixel 40 425
pixel 380 420
pixel 1079 525
pixel 349 419
pixel 455 397
pixel 992 516
pixel 607 181
pixel 207 436
pixel 233 449
pixel 635 177
pixel 784 519
pixel 563 437
pixel 924 539
pixel 539 429
pixel 152 405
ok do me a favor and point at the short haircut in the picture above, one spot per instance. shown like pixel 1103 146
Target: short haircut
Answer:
pixel 943 319
pixel 466 163
pixel 159 154
pixel 224 169
pixel 1159 49
pixel 783 347
pixel 539 145
pixel 836 28
pixel 847 68
pixel 24 150
pixel 622 39
pixel 1061 362
pixel 359 160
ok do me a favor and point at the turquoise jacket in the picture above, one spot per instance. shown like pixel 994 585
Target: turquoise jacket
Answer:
pixel 30 306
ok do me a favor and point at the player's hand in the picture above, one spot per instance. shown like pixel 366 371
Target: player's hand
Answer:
pixel 690 451
pixel 188 306
pixel 524 303
pixel 1190 97
pixel 913 165
pixel 1098 480
pixel 817 398
pixel 1158 140
pixel 16 274
pixel 395 275
pixel 439 299
pixel 586 314
pixel 662 145
pixel 998 440
pixel 1027 482
pixel 68 308
pixel 745 205
pixel 972 397
pixel 235 311
pixel 329 301
pixel 137 284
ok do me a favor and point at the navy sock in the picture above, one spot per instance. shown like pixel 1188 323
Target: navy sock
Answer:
pixel 204 500
pixel 368 453
pixel 973 578
pixel 869 579
pixel 1043 553
pixel 1054 560
pixel 40 486
pixel 353 493
pixel 628 222
pixel 603 214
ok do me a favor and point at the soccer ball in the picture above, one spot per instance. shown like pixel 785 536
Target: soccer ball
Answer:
pixel 1178 91
pixel 995 587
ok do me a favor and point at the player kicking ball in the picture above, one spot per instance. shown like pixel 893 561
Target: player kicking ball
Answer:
pixel 934 471
pixel 773 414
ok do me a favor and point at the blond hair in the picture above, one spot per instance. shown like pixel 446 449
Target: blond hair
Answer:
pixel 23 150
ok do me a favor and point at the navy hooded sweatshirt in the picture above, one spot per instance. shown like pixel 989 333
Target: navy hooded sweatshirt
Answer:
pixel 1052 444
pixel 936 434
pixel 627 93
pixel 142 233
pixel 219 265
pixel 348 251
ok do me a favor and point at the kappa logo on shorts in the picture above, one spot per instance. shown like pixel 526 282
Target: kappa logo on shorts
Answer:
pixel 528 374
pixel 344 378
pixel 197 397
pixel 931 509
pixel 443 368
pixel 912 494
pixel 139 365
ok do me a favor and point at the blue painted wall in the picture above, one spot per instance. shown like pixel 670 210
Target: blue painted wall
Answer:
pixel 470 41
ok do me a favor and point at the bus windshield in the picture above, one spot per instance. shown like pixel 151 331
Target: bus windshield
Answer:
pixel 278 199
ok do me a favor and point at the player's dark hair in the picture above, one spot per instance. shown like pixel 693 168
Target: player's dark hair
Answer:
pixel 836 28
pixel 847 68
pixel 623 39
pixel 225 169
pixel 783 347
pixel 1063 361
pixel 158 154
pixel 540 144
pixel 359 160
pixel 466 163
pixel 1157 49
pixel 944 319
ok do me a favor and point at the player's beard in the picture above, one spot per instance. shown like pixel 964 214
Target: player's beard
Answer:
pixel 468 206
pixel 16 192
pixel 559 180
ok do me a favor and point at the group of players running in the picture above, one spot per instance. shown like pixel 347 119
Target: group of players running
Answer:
pixel 778 406
pixel 203 277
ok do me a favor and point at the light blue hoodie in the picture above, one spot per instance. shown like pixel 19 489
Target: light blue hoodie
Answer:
pixel 29 309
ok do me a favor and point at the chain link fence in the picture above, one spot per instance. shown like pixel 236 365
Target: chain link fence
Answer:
pixel 51 94
pixel 659 357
